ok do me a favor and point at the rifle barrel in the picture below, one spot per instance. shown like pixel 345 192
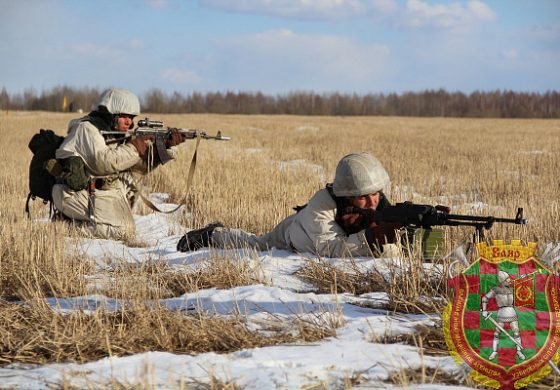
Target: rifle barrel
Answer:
pixel 518 220
pixel 477 218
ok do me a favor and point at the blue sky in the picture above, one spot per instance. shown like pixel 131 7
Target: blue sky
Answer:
pixel 280 46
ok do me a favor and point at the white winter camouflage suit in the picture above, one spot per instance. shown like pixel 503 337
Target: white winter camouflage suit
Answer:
pixel 117 164
pixel 313 230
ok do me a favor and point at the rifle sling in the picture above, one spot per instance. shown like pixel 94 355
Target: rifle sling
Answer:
pixel 190 176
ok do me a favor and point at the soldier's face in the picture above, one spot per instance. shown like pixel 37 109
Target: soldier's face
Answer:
pixel 124 122
pixel 369 201
pixel 352 222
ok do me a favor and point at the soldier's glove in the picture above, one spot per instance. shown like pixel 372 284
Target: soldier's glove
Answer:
pixel 354 220
pixel 384 233
pixel 141 145
pixel 175 138
pixel 196 239
pixel 368 216
pixel 485 314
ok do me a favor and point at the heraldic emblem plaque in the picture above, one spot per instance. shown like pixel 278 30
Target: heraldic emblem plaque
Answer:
pixel 504 321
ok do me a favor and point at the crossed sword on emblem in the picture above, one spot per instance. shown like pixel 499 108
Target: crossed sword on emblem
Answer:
pixel 501 329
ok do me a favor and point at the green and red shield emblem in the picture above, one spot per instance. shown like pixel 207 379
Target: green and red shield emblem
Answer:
pixel 504 321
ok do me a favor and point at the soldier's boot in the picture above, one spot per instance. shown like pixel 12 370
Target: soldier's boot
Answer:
pixel 198 238
pixel 493 355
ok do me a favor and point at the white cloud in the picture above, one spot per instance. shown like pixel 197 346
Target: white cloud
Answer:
pixel 302 9
pixel 416 13
pixel 453 16
pixel 180 76
pixel 331 55
pixel 481 11
pixel 300 61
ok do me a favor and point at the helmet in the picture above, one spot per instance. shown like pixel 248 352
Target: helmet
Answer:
pixel 120 101
pixel 359 174
pixel 502 276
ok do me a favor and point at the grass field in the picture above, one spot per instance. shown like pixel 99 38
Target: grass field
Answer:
pixel 486 166
pixel 272 163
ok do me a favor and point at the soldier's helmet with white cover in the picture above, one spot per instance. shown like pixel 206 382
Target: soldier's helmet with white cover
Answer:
pixel 120 101
pixel 359 174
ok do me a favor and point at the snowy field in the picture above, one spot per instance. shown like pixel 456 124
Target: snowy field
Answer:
pixel 350 359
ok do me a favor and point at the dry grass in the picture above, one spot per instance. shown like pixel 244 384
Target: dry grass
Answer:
pixel 328 279
pixel 411 286
pixel 409 377
pixel 252 182
pixel 157 280
pixel 37 334
pixel 429 338
pixel 276 162
pixel 33 262
pixel 428 341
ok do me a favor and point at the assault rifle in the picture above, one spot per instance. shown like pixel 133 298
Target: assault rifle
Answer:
pixel 160 133
pixel 427 216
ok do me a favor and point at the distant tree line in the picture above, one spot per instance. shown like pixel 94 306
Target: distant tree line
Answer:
pixel 428 103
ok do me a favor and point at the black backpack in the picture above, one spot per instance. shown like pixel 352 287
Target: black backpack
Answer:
pixel 43 145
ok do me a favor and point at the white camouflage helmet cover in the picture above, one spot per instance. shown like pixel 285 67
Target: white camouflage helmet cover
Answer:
pixel 359 174
pixel 120 101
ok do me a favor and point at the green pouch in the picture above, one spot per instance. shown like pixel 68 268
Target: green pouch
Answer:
pixel 74 173
pixel 428 242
